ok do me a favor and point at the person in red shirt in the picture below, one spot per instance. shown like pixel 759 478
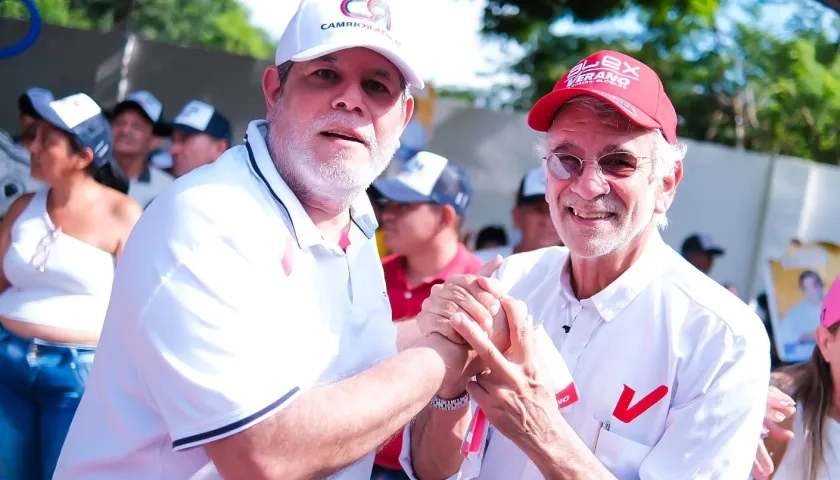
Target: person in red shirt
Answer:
pixel 423 207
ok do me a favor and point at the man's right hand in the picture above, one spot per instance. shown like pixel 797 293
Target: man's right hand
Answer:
pixel 476 296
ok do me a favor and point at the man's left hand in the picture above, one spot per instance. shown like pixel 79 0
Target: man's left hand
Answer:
pixel 516 393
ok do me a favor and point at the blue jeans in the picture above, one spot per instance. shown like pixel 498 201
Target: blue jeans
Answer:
pixel 40 387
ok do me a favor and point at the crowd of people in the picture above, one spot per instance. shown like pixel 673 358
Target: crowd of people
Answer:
pixel 176 307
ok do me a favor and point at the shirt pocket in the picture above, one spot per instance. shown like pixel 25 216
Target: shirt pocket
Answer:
pixel 621 456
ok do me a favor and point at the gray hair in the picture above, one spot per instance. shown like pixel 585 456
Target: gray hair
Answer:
pixel 285 68
pixel 666 156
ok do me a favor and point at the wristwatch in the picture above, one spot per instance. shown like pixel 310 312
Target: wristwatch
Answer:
pixel 456 403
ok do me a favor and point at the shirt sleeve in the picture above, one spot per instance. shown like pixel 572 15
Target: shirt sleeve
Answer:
pixel 216 354
pixel 714 425
pixel 470 468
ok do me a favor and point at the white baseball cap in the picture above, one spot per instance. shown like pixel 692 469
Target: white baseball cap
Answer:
pixel 321 27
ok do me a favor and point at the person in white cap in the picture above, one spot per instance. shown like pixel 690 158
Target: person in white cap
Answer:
pixel 137 123
pixel 249 335
pixel 530 216
pixel 671 371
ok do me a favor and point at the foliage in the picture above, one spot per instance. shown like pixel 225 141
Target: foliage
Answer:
pixel 219 24
pixel 731 80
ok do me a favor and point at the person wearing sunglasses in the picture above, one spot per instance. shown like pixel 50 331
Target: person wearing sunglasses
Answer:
pixel 59 247
pixel 670 370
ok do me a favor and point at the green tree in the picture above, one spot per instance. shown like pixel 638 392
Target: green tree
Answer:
pixel 731 80
pixel 219 24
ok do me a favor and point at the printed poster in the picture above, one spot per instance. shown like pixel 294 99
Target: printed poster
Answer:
pixel 797 284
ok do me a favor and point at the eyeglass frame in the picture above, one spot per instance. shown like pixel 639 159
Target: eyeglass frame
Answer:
pixel 597 162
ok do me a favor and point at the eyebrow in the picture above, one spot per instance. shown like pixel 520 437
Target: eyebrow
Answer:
pixel 566 145
pixel 332 59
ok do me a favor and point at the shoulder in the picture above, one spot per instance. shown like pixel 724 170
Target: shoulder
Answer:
pixel 470 262
pixel 17 207
pixel 700 311
pixel 536 264
pixel 223 200
pixel 391 264
pixel 125 210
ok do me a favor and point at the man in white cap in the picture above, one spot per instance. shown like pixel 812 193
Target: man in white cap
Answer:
pixel 530 216
pixel 249 334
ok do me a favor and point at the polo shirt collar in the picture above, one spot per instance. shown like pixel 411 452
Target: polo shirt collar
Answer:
pixel 611 301
pixel 456 266
pixel 304 229
pixel 145 175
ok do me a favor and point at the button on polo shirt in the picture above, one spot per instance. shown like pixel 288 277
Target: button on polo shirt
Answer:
pixel 406 302
pixel 227 303
pixel 671 369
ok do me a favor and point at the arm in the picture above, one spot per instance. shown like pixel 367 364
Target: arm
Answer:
pixel 15 209
pixel 715 421
pixel 231 374
pixel 434 439
pixel 355 416
pixel 127 213
pixel 408 333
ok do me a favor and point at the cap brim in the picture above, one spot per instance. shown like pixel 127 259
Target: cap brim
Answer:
pixel 715 251
pixel 412 77
pixel 543 112
pixel 396 191
pixel 43 108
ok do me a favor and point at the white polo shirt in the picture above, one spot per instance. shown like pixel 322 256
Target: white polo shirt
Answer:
pixel 671 369
pixel 226 304
pixel 145 188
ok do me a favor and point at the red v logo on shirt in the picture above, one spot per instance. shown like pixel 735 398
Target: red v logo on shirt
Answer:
pixel 627 413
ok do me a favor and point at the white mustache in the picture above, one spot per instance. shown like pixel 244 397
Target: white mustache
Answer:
pixel 605 205
pixel 340 120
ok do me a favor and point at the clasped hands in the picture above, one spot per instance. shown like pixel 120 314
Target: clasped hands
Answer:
pixel 503 373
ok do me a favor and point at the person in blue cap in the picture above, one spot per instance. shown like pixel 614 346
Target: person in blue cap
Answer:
pixel 58 247
pixel 200 134
pixel 14 156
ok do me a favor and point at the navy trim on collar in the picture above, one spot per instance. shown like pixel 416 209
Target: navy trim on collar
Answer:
pixel 146 175
pixel 365 223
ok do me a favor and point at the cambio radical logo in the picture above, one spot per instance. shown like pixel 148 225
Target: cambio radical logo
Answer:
pixel 374 15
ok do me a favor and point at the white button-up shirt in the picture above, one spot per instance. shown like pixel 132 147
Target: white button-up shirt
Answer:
pixel 226 304
pixel 671 369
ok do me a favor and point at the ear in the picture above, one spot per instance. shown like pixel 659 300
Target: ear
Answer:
pixel 668 188
pixel 84 158
pixel 271 86
pixel 448 216
pixel 220 147
pixel 825 341
pixel 514 215
pixel 409 111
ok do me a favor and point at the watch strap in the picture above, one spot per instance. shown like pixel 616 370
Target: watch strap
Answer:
pixel 456 403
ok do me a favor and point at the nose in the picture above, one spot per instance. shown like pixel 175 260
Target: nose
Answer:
pixel 350 98
pixel 590 183
pixel 175 149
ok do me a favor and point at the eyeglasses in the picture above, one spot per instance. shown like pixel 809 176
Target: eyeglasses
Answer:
pixel 42 253
pixel 564 166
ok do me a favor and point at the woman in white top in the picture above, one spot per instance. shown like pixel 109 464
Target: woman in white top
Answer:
pixel 814 451
pixel 59 247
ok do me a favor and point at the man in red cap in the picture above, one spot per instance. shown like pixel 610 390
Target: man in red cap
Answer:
pixel 670 370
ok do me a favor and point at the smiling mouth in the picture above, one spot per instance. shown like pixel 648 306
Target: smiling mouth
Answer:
pixel 590 216
pixel 342 136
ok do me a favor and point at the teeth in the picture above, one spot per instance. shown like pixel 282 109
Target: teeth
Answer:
pixel 590 216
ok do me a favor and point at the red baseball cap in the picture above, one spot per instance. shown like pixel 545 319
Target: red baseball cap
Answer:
pixel 620 80
pixel 831 305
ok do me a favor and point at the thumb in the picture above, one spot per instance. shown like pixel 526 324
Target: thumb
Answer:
pixel 488 268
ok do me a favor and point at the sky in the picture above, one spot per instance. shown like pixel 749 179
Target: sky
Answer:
pixel 460 56
pixel 448 46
